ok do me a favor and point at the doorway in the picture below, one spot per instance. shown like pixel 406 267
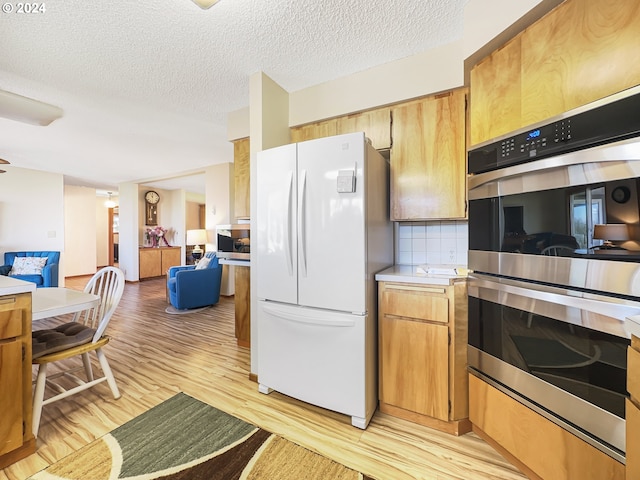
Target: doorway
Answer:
pixel 113 232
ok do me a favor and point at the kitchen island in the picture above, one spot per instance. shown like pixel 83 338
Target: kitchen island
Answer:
pixel 242 299
pixel 16 438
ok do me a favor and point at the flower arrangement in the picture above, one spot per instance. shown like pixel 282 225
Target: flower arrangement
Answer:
pixel 156 235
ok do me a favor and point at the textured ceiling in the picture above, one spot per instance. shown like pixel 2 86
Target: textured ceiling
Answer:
pixel 146 86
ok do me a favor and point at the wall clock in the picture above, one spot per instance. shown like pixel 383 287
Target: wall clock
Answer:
pixel 621 194
pixel 151 200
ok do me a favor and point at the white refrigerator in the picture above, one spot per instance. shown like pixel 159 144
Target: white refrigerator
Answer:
pixel 323 232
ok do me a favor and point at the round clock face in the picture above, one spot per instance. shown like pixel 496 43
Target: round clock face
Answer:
pixel 152 197
pixel 621 194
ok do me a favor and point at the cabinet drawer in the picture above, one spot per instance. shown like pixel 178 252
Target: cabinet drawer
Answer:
pixel 11 310
pixel 633 373
pixel 424 303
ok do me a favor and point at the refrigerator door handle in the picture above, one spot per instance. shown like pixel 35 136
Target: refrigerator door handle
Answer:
pixel 301 222
pixel 323 321
pixel 289 233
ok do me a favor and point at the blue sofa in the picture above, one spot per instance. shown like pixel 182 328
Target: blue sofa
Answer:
pixel 192 286
pixel 49 276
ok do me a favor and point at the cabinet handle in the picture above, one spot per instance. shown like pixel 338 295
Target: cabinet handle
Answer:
pixel 7 300
pixel 415 288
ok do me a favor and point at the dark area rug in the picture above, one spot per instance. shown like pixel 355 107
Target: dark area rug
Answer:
pixel 184 438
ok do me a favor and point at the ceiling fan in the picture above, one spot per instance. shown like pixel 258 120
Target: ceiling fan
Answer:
pixel 3 162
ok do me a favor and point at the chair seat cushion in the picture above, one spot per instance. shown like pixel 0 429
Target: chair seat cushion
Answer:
pixel 60 338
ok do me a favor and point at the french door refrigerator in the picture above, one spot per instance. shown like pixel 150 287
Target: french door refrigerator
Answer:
pixel 323 231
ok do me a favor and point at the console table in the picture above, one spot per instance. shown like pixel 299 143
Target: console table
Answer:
pixel 155 261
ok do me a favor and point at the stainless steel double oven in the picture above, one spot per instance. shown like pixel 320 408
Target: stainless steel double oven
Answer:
pixel 550 294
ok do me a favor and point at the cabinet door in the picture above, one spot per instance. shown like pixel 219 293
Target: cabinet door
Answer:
pixel 241 173
pixel 495 94
pixel 170 258
pixel 11 397
pixel 633 409
pixel 12 371
pixel 243 305
pixel 150 262
pixel 414 373
pixel 326 128
pixel 428 158
pixel 376 124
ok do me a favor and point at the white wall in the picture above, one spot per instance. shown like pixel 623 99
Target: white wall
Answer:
pixel 102 232
pixel 80 230
pixel 31 211
pixel 220 194
pixel 422 74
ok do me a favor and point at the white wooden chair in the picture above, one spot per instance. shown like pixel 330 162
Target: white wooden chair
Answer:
pixel 88 329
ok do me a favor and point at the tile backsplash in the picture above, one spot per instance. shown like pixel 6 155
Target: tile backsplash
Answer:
pixel 433 243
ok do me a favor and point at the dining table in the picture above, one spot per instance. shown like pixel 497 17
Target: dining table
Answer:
pixel 54 301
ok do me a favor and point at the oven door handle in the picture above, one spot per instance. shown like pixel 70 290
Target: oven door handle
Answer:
pixel 608 315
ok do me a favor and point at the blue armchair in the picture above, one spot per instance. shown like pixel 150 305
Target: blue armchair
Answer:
pixel 194 286
pixel 49 275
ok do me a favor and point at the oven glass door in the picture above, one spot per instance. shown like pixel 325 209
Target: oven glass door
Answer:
pixel 586 363
pixel 562 351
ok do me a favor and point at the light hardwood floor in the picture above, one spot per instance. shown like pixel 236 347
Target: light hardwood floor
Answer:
pixel 155 355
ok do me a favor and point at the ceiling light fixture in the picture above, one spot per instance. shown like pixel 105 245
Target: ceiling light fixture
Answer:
pixel 109 203
pixel 205 4
pixel 27 110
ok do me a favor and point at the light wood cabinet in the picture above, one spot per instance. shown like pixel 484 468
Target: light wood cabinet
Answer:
pixel 243 305
pixel 154 262
pixel 376 124
pixel 633 410
pixel 581 51
pixel 241 174
pixel 538 447
pixel 428 158
pixel 16 437
pixel 325 128
pixel 422 354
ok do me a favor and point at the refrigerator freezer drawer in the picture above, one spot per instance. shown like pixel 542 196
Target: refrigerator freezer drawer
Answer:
pixel 317 356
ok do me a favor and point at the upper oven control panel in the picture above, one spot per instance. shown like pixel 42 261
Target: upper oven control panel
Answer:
pixel 608 120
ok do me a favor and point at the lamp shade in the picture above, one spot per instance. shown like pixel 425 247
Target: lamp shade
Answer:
pixel 611 231
pixel 197 237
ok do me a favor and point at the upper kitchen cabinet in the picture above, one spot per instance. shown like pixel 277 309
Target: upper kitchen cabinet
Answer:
pixel 241 169
pixel 428 158
pixel 326 128
pixel 581 51
pixel 495 94
pixel 376 124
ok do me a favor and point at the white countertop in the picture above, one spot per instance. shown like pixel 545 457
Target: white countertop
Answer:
pixel 410 274
pixel 11 286
pixel 236 262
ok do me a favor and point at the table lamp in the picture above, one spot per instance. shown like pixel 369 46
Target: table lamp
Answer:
pixel 196 238
pixel 609 232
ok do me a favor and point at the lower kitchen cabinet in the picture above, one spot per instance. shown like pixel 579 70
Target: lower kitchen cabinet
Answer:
pixel 16 438
pixel 539 448
pixel 243 306
pixel 633 410
pixel 422 354
pixel 155 262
